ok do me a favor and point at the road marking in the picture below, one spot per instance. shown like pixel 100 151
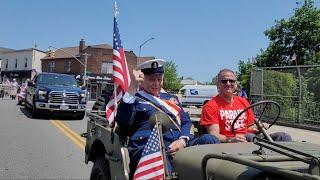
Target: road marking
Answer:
pixel 76 138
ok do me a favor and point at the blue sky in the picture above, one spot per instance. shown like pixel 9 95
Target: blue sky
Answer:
pixel 201 36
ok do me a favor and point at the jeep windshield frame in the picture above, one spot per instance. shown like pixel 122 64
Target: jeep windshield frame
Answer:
pixel 57 80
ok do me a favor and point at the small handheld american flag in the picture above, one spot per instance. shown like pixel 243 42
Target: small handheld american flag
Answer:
pixel 23 87
pixel 151 164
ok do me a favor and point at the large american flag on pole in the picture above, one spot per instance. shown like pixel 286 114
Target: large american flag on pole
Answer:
pixel 151 164
pixel 121 76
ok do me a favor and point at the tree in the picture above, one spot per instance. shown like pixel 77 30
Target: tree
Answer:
pixel 298 36
pixel 171 79
pixel 214 80
pixel 293 41
pixel 295 38
pixel 272 81
pixel 244 74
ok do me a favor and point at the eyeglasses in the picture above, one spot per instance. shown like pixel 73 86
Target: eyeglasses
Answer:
pixel 225 81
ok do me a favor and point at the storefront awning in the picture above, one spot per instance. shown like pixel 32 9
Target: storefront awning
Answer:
pixel 17 74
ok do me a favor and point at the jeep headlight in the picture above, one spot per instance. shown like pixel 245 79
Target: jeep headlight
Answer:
pixel 42 94
pixel 83 97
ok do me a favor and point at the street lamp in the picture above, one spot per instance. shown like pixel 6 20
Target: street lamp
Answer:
pixel 152 38
pixel 83 64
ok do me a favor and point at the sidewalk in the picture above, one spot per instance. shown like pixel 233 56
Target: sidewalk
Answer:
pixel 298 134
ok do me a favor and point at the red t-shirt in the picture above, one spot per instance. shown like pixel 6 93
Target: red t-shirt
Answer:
pixel 217 111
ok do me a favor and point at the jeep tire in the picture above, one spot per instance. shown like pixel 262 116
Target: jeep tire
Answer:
pixel 80 115
pixel 100 169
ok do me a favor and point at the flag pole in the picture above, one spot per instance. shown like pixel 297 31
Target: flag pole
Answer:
pixel 163 150
pixel 115 86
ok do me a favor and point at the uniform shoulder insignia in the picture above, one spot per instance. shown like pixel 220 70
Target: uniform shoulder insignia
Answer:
pixel 192 129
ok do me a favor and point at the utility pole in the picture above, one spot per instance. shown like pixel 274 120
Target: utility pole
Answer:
pixel 85 69
pixel 83 64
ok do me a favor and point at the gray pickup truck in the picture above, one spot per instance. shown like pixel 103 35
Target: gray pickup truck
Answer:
pixel 263 159
pixel 55 93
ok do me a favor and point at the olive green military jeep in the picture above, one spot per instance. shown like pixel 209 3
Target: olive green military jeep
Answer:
pixel 262 159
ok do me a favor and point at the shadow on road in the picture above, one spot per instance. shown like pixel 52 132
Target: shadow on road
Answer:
pixel 47 116
pixel 25 112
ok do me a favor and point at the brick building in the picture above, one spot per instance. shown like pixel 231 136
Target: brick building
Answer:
pixel 99 64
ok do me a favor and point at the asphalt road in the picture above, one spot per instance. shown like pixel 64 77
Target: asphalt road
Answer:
pixel 37 148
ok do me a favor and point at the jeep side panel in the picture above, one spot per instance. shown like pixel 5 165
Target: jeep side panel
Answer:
pixel 237 161
pixel 102 141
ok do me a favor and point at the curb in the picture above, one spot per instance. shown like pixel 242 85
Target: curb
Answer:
pixel 299 126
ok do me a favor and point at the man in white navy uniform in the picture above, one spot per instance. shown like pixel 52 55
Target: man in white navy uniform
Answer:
pixel 133 114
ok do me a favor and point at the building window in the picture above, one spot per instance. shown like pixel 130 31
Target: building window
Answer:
pixel 106 68
pixel 7 64
pixel 51 67
pixel 67 66
pixel 26 63
pixel 16 64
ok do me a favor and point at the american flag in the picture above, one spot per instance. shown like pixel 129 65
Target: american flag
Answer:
pixel 121 76
pixel 6 81
pixel 151 164
pixel 23 87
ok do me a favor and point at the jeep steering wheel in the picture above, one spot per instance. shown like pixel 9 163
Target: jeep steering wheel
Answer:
pixel 258 122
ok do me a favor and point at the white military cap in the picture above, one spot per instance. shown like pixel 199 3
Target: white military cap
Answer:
pixel 152 66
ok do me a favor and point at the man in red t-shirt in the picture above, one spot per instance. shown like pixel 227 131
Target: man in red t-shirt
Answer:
pixel 218 114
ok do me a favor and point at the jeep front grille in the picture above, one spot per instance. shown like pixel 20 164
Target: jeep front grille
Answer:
pixel 63 97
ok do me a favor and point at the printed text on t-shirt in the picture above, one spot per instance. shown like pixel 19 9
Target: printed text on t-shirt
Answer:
pixel 229 115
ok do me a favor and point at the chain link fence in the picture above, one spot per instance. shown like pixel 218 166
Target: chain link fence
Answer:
pixel 295 88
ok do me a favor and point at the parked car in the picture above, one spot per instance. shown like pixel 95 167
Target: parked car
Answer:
pixel 55 93
pixel 197 95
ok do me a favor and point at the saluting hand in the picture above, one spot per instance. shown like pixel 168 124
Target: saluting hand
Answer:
pixel 138 76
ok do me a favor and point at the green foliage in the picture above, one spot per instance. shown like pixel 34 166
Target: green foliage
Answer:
pixel 244 74
pixel 293 41
pixel 214 80
pixel 171 80
pixel 282 88
pixel 279 83
pixel 313 82
pixel 298 35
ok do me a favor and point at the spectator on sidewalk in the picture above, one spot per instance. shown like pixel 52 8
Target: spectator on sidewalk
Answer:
pixel 241 92
pixel 14 89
